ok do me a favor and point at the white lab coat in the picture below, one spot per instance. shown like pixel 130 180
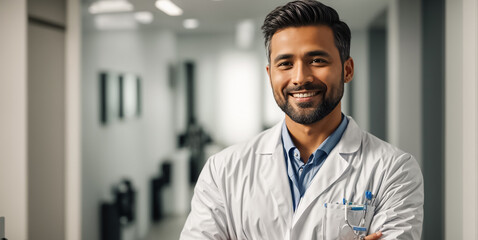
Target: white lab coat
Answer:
pixel 243 192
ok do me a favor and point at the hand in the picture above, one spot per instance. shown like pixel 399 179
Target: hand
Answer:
pixel 373 236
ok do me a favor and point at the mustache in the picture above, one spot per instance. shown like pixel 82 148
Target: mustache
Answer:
pixel 309 87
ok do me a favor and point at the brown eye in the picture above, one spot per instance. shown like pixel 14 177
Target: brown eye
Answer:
pixel 319 60
pixel 284 64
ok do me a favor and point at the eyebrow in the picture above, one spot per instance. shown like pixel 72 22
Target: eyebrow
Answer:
pixel 318 53
pixel 282 56
pixel 308 54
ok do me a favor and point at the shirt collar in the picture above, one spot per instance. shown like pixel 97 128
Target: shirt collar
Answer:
pixel 286 139
pixel 326 146
pixel 335 137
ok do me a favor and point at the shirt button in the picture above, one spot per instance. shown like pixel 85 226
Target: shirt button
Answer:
pixel 300 170
pixel 296 155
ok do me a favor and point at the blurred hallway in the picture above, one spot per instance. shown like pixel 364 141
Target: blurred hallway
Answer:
pixel 167 229
pixel 122 104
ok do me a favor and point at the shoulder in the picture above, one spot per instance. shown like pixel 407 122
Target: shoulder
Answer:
pixel 380 148
pixel 390 157
pixel 263 143
pixel 375 151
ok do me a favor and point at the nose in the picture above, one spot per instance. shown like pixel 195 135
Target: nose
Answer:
pixel 302 74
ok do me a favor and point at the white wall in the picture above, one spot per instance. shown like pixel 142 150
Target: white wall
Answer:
pixel 404 76
pixel 229 84
pixel 13 123
pixel 461 162
pixel 359 52
pixel 470 120
pixel 132 147
pixel 204 51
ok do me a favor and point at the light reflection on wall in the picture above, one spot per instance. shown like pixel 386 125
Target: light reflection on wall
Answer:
pixel 130 97
pixel 245 30
pixel 239 89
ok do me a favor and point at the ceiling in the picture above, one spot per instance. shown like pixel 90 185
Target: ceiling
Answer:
pixel 223 15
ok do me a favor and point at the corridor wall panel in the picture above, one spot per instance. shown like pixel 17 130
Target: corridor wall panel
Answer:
pixel 48 10
pixel 46 131
pixel 433 101
pixel 13 123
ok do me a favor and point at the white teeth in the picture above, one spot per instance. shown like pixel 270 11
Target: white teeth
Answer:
pixel 304 95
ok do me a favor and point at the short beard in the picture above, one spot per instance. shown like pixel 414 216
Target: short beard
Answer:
pixel 322 110
pixel 318 114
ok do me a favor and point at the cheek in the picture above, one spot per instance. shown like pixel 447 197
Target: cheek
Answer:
pixel 278 83
pixel 329 74
pixel 332 79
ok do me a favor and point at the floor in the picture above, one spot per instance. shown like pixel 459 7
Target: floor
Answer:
pixel 167 229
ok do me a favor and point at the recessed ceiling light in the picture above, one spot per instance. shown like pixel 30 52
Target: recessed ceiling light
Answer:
pixel 143 17
pixel 190 23
pixel 169 7
pixel 109 6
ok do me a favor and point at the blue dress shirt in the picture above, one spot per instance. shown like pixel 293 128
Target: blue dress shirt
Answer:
pixel 300 173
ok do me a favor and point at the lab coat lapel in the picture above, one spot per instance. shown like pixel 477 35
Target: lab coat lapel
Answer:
pixel 333 168
pixel 276 174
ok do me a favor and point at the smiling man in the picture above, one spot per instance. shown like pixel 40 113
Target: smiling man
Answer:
pixel 316 175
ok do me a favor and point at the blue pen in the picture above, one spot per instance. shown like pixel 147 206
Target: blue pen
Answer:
pixel 368 197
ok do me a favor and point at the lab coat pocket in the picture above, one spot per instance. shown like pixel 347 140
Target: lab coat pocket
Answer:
pixel 335 227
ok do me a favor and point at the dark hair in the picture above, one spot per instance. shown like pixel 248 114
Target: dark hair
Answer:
pixel 306 13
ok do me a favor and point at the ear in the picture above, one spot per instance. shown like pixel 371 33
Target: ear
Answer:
pixel 348 70
pixel 268 70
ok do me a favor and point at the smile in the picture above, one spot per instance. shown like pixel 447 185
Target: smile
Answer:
pixel 304 95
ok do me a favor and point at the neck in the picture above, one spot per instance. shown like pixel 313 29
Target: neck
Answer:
pixel 308 137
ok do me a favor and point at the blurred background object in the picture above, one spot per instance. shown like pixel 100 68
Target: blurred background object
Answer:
pixel 94 92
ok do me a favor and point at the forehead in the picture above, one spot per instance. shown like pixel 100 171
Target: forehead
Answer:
pixel 293 40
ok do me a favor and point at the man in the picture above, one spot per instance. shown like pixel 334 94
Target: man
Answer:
pixel 317 175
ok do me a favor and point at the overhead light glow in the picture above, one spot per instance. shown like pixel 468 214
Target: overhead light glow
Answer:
pixel 110 6
pixel 190 23
pixel 143 17
pixel 169 7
